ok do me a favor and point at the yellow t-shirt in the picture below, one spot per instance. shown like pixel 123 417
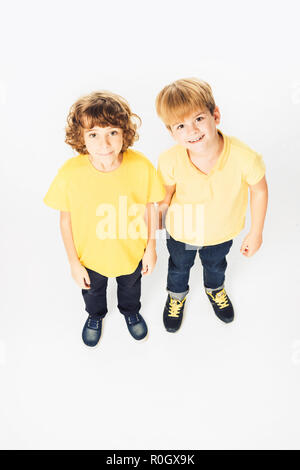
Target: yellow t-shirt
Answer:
pixel 209 209
pixel 107 210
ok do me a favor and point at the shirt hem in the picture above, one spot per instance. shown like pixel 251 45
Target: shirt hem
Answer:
pixel 130 271
pixel 56 207
pixel 215 242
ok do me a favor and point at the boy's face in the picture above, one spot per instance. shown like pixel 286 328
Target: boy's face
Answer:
pixel 197 131
pixel 103 142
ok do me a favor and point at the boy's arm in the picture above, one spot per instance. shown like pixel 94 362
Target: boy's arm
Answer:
pixel 79 273
pixel 164 205
pixel 67 236
pixel 258 206
pixel 149 258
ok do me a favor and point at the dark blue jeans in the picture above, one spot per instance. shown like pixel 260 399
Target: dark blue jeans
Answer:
pixel 128 293
pixel 182 257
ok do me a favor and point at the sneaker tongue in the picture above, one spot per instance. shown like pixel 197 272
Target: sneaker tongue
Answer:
pixel 132 319
pixel 93 324
pixel 217 292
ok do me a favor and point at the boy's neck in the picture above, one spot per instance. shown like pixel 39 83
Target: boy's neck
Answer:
pixel 212 152
pixel 104 165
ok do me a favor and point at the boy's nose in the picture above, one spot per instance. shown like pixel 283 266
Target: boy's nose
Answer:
pixel 104 144
pixel 193 128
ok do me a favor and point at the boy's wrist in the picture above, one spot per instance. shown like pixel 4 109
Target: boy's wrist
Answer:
pixel 74 263
pixel 256 232
pixel 151 243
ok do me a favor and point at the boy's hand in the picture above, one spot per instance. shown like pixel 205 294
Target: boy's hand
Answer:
pixel 80 275
pixel 251 244
pixel 149 260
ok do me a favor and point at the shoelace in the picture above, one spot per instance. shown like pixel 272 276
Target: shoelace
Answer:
pixel 220 298
pixel 174 307
pixel 93 323
pixel 132 319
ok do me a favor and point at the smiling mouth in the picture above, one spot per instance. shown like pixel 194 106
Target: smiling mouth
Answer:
pixel 194 141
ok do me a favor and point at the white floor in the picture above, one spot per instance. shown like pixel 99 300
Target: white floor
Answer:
pixel 208 386
pixel 211 385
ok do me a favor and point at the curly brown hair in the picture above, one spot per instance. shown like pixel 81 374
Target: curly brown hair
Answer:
pixel 100 108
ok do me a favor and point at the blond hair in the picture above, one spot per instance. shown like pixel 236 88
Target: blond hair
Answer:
pixel 100 108
pixel 182 97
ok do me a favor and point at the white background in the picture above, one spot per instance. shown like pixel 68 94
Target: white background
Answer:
pixel 210 385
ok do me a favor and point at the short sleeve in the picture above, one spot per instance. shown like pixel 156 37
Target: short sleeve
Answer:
pixel 156 190
pixel 57 195
pixel 165 171
pixel 255 170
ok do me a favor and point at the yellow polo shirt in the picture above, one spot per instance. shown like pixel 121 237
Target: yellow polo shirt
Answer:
pixel 209 209
pixel 107 210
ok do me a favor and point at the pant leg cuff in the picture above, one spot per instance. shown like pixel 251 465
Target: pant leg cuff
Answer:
pixel 209 289
pixel 178 295
pixel 97 316
pixel 130 312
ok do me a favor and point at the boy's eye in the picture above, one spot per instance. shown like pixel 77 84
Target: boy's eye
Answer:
pixel 199 118
pixel 114 132
pixel 92 135
pixel 180 126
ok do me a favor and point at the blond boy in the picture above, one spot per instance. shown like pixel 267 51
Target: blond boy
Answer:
pixel 207 175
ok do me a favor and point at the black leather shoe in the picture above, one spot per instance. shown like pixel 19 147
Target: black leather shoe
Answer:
pixel 173 314
pixel 136 325
pixel 92 331
pixel 222 305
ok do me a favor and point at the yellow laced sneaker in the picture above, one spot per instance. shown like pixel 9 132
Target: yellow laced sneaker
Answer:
pixel 173 314
pixel 221 304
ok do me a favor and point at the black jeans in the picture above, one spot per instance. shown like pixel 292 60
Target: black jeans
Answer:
pixel 182 257
pixel 129 293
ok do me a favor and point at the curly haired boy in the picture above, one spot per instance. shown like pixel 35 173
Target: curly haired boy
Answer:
pixel 106 197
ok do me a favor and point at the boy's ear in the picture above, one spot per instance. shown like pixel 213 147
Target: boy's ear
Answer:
pixel 170 131
pixel 217 115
